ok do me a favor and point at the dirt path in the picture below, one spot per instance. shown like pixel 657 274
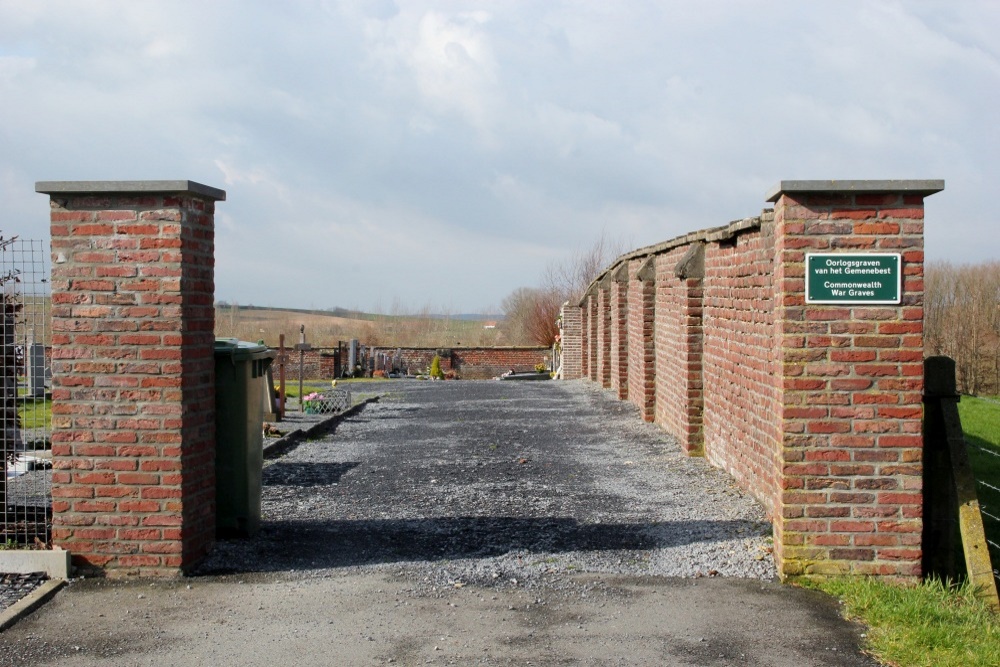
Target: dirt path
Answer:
pixel 471 524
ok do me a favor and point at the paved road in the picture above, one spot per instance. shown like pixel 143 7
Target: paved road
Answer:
pixel 489 523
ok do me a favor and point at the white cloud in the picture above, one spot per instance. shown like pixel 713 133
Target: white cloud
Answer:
pixel 446 58
pixel 15 66
pixel 429 150
pixel 232 174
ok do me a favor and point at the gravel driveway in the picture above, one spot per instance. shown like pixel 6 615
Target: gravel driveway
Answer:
pixel 497 482
pixel 469 523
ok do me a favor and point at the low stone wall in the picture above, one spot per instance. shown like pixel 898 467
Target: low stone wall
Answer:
pixel 469 363
pixel 480 363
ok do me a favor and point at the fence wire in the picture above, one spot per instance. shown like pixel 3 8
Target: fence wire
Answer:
pixel 989 507
pixel 25 444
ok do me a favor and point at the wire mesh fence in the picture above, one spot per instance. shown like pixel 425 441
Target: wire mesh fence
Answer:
pixel 330 401
pixel 25 444
pixel 988 491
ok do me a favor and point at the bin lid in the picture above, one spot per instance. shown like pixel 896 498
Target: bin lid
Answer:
pixel 240 349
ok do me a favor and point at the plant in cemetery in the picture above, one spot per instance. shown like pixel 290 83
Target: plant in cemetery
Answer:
pixel 436 371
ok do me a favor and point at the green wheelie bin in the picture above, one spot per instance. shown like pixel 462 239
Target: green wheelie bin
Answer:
pixel 240 380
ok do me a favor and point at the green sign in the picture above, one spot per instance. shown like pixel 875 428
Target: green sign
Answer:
pixel 856 278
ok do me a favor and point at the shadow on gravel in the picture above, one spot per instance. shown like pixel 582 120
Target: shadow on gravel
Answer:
pixel 303 545
pixel 286 473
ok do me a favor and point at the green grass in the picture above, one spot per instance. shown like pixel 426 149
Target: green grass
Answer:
pixel 981 425
pixel 934 625
pixel 35 413
pixel 981 418
pixel 352 380
pixel 308 387
pixel 930 625
pixel 319 386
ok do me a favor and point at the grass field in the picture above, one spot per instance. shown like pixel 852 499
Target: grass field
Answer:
pixel 325 329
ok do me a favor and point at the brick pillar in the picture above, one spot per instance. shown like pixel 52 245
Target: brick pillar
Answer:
pixel 585 338
pixel 593 324
pixel 690 272
pixel 619 307
pixel 642 350
pixel 604 335
pixel 571 339
pixel 133 386
pixel 849 499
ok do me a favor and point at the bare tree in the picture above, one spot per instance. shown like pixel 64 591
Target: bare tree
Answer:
pixel 517 308
pixel 227 319
pixel 531 313
pixel 570 278
pixel 962 320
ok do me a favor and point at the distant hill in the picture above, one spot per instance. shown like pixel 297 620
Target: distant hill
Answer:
pixel 359 315
pixel 325 328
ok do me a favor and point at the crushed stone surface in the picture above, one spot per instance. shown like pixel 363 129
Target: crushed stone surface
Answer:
pixel 13 587
pixel 468 523
pixel 500 484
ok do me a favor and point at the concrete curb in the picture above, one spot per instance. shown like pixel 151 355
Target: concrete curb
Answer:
pixel 289 441
pixel 29 603
pixel 55 563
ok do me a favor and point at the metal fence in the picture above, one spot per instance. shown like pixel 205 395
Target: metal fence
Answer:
pixel 25 444
pixel 330 401
pixel 988 491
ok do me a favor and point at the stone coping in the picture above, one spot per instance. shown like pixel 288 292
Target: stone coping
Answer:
pixel 711 235
pixel 927 186
pixel 128 188
pixel 911 186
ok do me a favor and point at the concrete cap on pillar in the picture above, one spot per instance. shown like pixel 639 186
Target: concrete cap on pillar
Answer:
pixel 129 187
pixel 914 186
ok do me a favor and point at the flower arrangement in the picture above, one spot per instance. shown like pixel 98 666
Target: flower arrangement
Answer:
pixel 313 402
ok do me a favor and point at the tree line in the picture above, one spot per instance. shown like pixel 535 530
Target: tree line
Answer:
pixel 962 321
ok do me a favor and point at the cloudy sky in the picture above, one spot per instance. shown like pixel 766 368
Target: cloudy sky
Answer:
pixel 443 153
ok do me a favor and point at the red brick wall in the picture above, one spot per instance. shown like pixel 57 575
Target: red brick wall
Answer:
pixel 814 409
pixel 678 384
pixel 593 342
pixel 618 322
pixel 604 336
pixel 740 366
pixel 641 348
pixel 485 363
pixel 316 364
pixel 571 340
pixel 133 426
